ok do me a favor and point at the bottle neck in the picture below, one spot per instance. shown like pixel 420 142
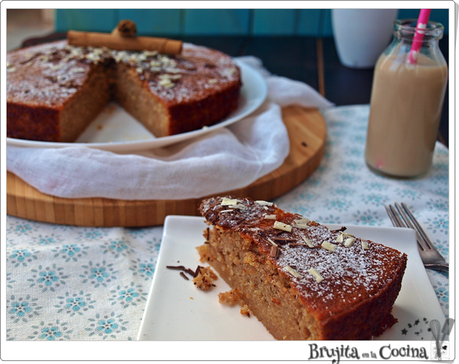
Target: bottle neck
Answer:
pixel 402 46
pixel 427 42
pixel 404 32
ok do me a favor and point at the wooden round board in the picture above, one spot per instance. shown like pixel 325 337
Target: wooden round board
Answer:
pixel 307 131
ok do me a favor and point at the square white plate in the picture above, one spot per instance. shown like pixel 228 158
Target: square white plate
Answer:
pixel 177 310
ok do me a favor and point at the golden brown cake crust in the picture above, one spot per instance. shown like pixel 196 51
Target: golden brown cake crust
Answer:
pixel 359 285
pixel 30 122
pixel 197 88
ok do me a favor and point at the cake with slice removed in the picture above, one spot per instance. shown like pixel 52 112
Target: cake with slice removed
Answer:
pixel 54 90
pixel 300 279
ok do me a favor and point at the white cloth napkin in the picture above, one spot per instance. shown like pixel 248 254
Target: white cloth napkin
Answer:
pixel 226 159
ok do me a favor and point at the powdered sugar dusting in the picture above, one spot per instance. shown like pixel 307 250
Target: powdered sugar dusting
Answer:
pixel 46 74
pixel 349 274
pixel 49 73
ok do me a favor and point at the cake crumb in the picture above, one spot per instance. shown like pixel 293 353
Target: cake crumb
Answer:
pixel 204 278
pixel 232 298
pixel 245 310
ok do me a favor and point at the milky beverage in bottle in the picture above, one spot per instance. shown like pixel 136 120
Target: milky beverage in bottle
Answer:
pixel 406 105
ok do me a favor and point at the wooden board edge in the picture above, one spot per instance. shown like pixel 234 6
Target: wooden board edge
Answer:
pixel 106 212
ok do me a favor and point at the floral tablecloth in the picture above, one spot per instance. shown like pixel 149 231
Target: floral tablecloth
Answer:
pixel 78 283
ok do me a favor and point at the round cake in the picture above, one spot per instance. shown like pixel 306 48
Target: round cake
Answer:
pixel 55 90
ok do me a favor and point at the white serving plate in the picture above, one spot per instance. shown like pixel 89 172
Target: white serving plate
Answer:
pixel 117 131
pixel 177 310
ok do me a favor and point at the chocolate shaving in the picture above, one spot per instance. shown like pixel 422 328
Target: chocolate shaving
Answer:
pixel 283 241
pixel 198 270
pixel 190 272
pixel 184 276
pixel 273 253
pixel 178 267
pixel 181 267
pixel 36 55
pixel 276 231
pixel 208 234
pixel 52 79
pixel 299 244
pixel 343 228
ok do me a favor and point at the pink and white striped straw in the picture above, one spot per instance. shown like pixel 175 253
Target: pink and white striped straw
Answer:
pixel 419 35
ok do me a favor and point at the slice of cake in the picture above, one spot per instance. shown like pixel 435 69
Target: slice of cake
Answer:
pixel 300 279
pixel 54 90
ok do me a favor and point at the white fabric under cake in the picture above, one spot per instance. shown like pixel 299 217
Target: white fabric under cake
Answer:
pixel 223 160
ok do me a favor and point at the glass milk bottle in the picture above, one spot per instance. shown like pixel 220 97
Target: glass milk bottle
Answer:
pixel 406 103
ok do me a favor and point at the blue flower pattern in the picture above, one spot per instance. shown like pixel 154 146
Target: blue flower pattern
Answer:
pixel 50 333
pixel 99 274
pixel 75 271
pixel 128 294
pixel 70 250
pixel 22 257
pixel 48 239
pixel 20 308
pixel 107 326
pixel 118 246
pixel 22 229
pixel 91 235
pixel 48 278
pixel 20 254
pixel 75 303
pixel 147 269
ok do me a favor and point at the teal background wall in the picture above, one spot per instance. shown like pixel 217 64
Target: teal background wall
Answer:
pixel 302 22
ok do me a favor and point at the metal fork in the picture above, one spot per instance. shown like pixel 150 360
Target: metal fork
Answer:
pixel 402 217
